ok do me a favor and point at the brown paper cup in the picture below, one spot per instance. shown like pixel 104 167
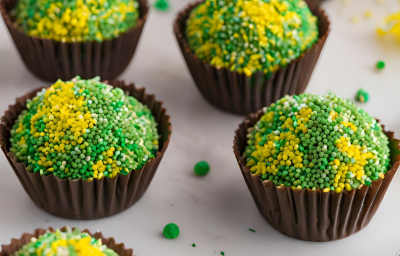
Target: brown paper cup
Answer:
pixel 237 93
pixel 16 244
pixel 313 215
pixel 50 60
pixel 78 199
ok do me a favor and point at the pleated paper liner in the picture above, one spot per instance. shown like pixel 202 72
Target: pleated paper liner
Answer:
pixel 78 199
pixel 50 60
pixel 17 244
pixel 237 93
pixel 313 215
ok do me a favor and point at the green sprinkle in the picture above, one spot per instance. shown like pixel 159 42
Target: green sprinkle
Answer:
pixel 194 245
pixel 162 5
pixel 380 65
pixel 171 231
pixel 222 253
pixel 201 168
pixel 252 230
pixel 362 96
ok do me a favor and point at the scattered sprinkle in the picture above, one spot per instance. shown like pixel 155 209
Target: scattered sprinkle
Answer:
pixel 380 64
pixel 391 25
pixel 362 96
pixel 368 14
pixel 194 245
pixel 171 231
pixel 222 253
pixel 252 230
pixel 172 204
pixel 355 19
pixel 202 168
pixel 162 5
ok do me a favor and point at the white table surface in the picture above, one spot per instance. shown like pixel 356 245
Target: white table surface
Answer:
pixel 216 211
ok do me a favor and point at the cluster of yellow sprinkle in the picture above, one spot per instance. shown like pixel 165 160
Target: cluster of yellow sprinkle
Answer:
pixel 354 167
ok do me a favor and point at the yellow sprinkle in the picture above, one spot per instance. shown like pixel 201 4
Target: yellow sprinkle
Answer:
pixel 355 19
pixel 368 14
pixel 326 190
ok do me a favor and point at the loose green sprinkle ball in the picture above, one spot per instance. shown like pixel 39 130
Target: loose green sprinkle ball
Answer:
pixel 380 65
pixel 171 231
pixel 202 168
pixel 84 129
pixel 251 35
pixel 317 142
pixel 162 5
pixel 362 95
pixel 69 242
pixel 76 20
pixel 222 253
pixel 252 230
pixel 193 245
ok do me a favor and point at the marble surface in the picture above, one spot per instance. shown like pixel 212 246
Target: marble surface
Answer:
pixel 216 211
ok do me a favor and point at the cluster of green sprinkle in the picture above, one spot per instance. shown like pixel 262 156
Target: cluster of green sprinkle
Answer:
pixel 84 129
pixel 317 142
pixel 251 35
pixel 66 243
pixel 76 20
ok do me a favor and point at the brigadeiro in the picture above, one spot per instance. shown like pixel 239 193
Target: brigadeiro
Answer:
pixel 85 149
pixel 317 167
pixel 62 39
pixel 244 54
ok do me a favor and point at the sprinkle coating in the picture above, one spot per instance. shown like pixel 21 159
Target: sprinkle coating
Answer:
pixel 68 243
pixel 76 20
pixel 251 35
pixel 317 142
pixel 84 129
